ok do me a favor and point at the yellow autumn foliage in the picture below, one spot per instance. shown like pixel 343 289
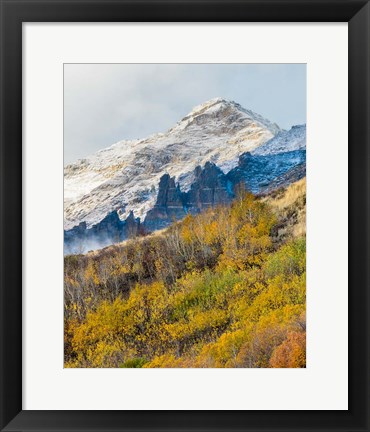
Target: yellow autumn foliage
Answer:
pixel 219 289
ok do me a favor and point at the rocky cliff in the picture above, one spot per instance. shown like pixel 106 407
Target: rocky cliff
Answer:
pixel 209 188
pixel 168 207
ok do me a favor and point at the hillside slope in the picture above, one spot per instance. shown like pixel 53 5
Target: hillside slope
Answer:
pixel 224 288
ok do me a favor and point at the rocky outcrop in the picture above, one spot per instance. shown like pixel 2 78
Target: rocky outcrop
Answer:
pixel 169 206
pixel 256 172
pixel 293 175
pixel 210 188
pixel 109 230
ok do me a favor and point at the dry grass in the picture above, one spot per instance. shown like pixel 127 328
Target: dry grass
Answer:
pixel 284 198
pixel 290 205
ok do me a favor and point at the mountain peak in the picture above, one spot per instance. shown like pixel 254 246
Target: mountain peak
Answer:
pixel 221 112
pixel 125 175
pixel 211 106
pixel 211 102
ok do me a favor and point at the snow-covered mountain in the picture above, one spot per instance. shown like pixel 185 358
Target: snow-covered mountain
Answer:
pixel 125 176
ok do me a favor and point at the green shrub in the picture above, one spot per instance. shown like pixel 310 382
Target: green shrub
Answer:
pixel 137 362
pixel 289 260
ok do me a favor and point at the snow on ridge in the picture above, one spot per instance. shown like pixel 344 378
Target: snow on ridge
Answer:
pixel 284 141
pixel 125 176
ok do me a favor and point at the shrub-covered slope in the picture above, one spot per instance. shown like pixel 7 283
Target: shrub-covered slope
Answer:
pixel 225 288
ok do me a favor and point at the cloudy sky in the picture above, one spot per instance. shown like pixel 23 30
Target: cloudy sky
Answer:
pixel 106 103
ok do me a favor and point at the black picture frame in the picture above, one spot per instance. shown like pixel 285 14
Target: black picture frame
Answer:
pixel 13 14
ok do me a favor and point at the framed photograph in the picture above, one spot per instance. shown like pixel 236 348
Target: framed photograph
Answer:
pixel 184 215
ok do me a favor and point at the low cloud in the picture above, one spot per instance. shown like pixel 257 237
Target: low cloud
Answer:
pixel 106 103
